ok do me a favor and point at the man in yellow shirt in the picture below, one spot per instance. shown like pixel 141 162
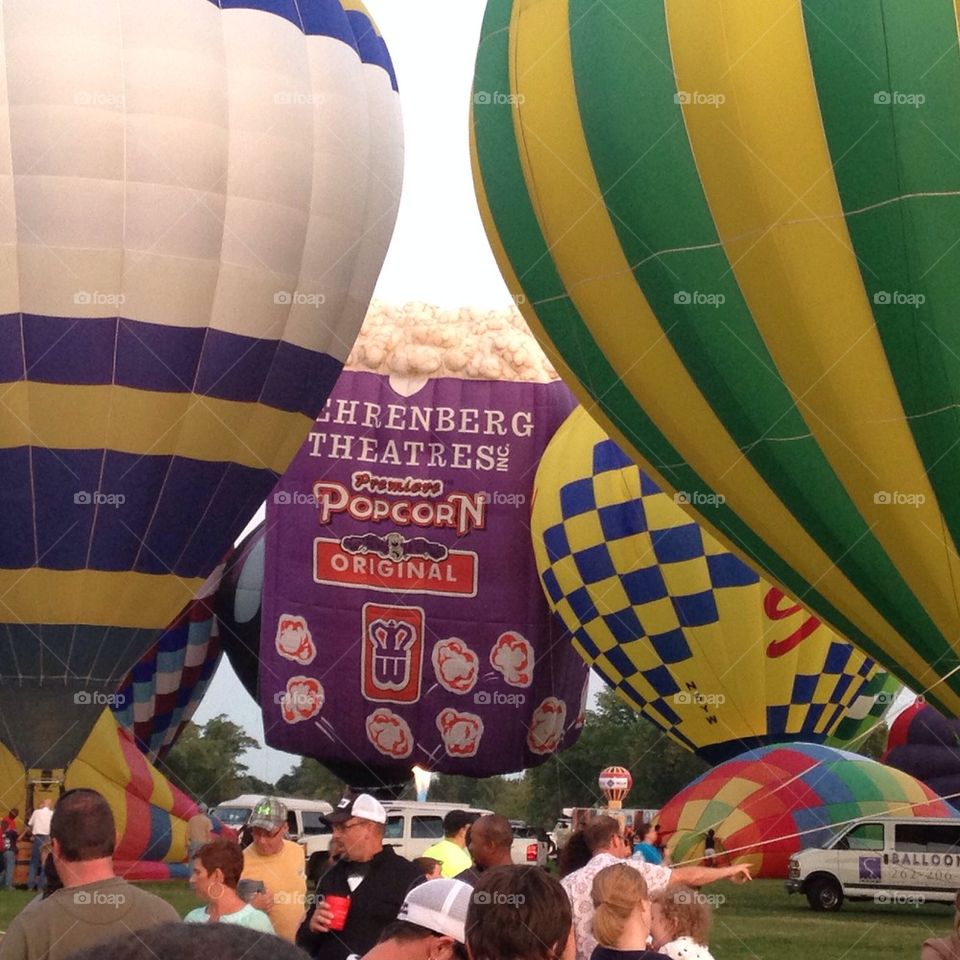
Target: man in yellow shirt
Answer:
pixel 452 850
pixel 279 865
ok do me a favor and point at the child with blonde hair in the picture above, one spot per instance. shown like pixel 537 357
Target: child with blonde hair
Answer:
pixel 622 914
pixel 681 924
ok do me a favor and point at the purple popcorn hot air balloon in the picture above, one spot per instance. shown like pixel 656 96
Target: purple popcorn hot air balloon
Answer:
pixel 402 620
pixel 925 744
pixel 197 197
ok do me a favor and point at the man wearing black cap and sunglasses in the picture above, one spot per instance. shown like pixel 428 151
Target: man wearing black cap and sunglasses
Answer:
pixel 362 893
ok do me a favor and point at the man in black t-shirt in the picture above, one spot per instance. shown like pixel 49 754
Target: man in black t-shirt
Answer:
pixel 373 876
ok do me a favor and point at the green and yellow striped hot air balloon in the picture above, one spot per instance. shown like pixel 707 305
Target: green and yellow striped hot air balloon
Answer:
pixel 734 226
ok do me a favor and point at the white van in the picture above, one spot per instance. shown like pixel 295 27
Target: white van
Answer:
pixel 304 817
pixel 885 859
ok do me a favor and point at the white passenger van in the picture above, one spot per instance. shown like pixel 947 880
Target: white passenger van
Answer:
pixel 885 859
pixel 304 817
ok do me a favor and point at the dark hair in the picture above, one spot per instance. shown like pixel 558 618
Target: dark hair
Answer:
pixel 456 820
pixel 192 941
pixel 83 826
pixel 14 812
pixel 644 828
pixel 496 830
pixel 574 854
pixel 599 832
pixel 426 865
pixel 223 854
pixel 518 912
pixel 405 932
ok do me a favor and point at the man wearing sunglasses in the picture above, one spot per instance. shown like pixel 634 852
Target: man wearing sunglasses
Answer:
pixel 362 893
pixel 277 866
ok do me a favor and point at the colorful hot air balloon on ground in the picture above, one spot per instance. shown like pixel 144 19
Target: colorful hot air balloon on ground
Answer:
pixel 198 197
pixel 402 623
pixel 771 802
pixel 925 744
pixel 743 256
pixel 682 630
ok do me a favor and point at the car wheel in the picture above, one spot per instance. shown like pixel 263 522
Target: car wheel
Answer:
pixel 825 894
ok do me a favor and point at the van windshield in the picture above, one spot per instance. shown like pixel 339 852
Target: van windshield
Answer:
pixel 233 816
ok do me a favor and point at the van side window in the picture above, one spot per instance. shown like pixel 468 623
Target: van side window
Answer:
pixel 429 827
pixel 927 838
pixel 864 836
pixel 394 829
pixel 313 823
pixel 292 827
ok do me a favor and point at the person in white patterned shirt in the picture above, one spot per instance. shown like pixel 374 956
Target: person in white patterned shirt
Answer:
pixel 607 846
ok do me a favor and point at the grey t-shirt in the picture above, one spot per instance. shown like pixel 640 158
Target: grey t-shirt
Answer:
pixel 77 917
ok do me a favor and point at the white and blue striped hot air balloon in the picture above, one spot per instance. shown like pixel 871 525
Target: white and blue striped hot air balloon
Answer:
pixel 195 201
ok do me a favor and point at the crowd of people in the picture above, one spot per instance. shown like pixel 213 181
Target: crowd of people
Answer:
pixel 462 900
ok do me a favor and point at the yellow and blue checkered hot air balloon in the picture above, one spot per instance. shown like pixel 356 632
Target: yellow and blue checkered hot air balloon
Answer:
pixel 733 225
pixel 684 631
pixel 195 201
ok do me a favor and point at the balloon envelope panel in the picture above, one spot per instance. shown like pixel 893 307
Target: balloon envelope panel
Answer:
pixel 684 631
pixel 774 801
pixel 747 262
pixel 204 194
pixel 925 744
pixel 161 693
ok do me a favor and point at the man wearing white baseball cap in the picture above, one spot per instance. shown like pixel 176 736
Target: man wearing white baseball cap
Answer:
pixel 430 926
pixel 359 896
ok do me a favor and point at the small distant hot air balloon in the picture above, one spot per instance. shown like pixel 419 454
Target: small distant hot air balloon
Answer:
pixel 681 629
pixel 615 783
pixel 736 235
pixel 771 802
pixel 197 200
pixel 401 619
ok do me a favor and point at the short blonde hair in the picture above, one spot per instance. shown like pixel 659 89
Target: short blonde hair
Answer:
pixel 686 913
pixel 617 890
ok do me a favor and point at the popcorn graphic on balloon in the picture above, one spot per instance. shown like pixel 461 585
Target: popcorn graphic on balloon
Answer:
pixel 302 699
pixel 294 641
pixel 390 733
pixel 512 655
pixel 456 665
pixel 461 732
pixel 547 727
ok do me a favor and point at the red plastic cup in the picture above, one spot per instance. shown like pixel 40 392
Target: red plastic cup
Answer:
pixel 339 907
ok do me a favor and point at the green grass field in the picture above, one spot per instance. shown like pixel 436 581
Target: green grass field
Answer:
pixel 758 921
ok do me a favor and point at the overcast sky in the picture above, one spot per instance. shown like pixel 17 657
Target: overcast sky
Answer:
pixel 439 252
